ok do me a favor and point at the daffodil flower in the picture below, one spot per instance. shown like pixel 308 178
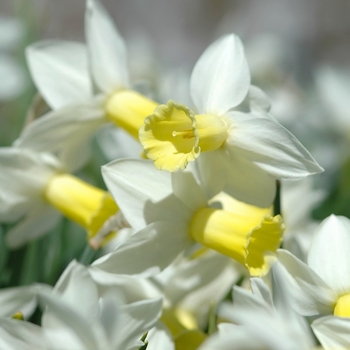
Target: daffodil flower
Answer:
pixel 111 313
pixel 35 189
pixel 86 86
pixel 171 213
pixel 260 321
pixel 240 152
pixel 322 286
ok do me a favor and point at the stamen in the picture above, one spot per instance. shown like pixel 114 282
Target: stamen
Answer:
pixel 169 137
pixel 173 136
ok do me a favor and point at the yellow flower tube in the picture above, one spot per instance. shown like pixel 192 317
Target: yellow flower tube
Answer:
pixel 128 110
pixel 82 203
pixel 245 236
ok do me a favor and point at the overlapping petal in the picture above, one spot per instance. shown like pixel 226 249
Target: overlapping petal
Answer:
pixel 66 133
pixel 270 146
pixel 140 191
pixel 310 295
pixel 329 253
pixel 220 79
pixel 106 49
pixel 332 332
pixel 148 251
pixel 60 71
pixel 38 220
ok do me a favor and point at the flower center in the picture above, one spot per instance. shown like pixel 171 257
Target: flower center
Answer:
pixel 342 307
pixel 128 109
pixel 244 236
pixel 173 136
pixel 82 203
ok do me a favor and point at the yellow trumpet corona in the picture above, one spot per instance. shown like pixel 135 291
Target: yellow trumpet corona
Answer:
pixel 173 135
pixel 244 237
pixel 128 110
pixel 82 203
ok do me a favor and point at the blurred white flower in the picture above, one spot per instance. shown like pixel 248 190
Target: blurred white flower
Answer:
pixel 86 86
pixel 323 285
pixel 36 187
pixel 260 321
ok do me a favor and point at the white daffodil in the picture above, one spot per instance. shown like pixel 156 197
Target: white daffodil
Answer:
pixel 86 86
pixel 87 309
pixel 97 318
pixel 190 292
pixel 243 152
pixel 323 285
pixel 171 213
pixel 35 187
pixel 260 321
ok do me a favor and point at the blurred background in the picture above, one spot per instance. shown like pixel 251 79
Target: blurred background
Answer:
pixel 284 40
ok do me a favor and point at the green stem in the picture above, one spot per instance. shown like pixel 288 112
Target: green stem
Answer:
pixel 88 255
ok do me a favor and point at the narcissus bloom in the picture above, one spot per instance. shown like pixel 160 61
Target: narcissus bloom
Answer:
pixel 86 86
pixel 111 312
pixel 243 151
pixel 172 213
pixel 35 187
pixel 323 285
pixel 260 321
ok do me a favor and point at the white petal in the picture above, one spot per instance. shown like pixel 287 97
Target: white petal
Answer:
pixel 234 338
pixel 261 291
pixel 220 78
pixel 23 176
pixel 212 171
pixel 309 294
pixel 270 146
pixel 332 332
pixel 188 190
pixel 39 220
pixel 194 275
pixel 60 71
pixel 107 51
pixel 137 318
pixel 135 185
pixel 70 323
pixel 16 334
pixel 259 102
pixel 133 288
pixel 147 251
pixel 160 338
pixel 17 299
pixel 247 182
pixel 66 133
pixel 329 253
pixel 75 279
